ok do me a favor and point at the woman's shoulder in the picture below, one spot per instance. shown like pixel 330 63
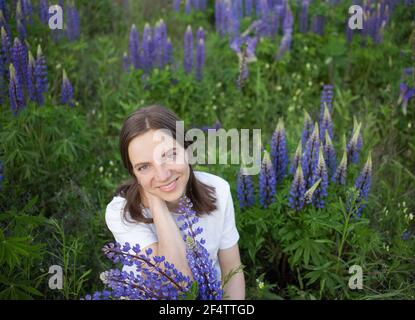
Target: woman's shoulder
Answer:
pixel 220 184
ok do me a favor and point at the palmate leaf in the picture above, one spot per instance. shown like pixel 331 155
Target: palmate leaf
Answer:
pixel 306 249
pixel 13 249
pixel 17 290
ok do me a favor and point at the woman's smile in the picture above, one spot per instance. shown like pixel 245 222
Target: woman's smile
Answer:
pixel 169 187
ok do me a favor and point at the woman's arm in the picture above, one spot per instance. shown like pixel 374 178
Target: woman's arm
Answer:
pixel 229 260
pixel 170 242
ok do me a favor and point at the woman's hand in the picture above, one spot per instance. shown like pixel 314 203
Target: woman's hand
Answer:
pixel 153 202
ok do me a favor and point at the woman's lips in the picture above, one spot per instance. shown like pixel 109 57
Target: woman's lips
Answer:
pixel 169 187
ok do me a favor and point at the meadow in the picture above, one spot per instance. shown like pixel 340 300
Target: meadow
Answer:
pixel 335 105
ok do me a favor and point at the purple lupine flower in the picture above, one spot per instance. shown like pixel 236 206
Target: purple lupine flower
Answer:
pixel 200 59
pixel 19 60
pixel 341 172
pixel 317 26
pixel 5 52
pixel 362 184
pixel 4 24
pixel 308 128
pixel 73 23
pixel 219 17
pixel 267 182
pixel 297 191
pixel 148 49
pixel 20 21
pixel 31 78
pixel 134 47
pixel 245 190
pixel 326 124
pixel 176 5
pixel 27 9
pixel 326 99
pixel 160 39
pixel 187 6
pixel 41 76
pixel 296 159
pixel 200 264
pixel 234 23
pixel 3 8
pixel 67 96
pixel 244 47
pixel 310 156
pixel 320 173
pixel 329 154
pixel 126 63
pixel 168 52
pixel 248 7
pixel 15 91
pixel 188 50
pixel 238 8
pixel 279 154
pixel 354 146
pixel 285 45
pixel 201 34
pixel 44 11
pixel 303 19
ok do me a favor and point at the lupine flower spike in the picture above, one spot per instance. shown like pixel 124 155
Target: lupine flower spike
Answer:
pixel 330 155
pixel 188 50
pixel 354 146
pixel 41 75
pixel 267 182
pixel 363 184
pixel 67 91
pixel 320 173
pixel 326 124
pixel 310 156
pixel 297 191
pixel 279 151
pixel 307 129
pixel 296 159
pixel 31 78
pixel 15 91
pixel 341 172
pixel 245 190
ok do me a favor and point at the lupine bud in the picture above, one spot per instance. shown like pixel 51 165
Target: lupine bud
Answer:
pixel 41 75
pixel 320 173
pixel 200 59
pixel 279 154
pixel 296 159
pixel 354 146
pixel 15 91
pixel 308 196
pixel 188 50
pixel 330 155
pixel 326 124
pixel 340 176
pixel 363 184
pixel 31 78
pixel 307 129
pixel 66 91
pixel 245 190
pixel 310 156
pixel 297 191
pixel 267 182
pixel 134 47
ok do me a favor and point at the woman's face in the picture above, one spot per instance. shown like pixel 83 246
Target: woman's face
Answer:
pixel 160 164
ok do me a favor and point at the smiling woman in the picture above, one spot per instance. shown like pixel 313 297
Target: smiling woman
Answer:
pixel 143 210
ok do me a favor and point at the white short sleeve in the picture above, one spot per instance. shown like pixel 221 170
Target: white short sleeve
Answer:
pixel 124 231
pixel 230 235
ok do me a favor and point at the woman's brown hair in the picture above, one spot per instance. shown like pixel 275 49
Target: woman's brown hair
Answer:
pixel 139 122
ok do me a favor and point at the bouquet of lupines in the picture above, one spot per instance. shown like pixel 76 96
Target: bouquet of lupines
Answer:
pixel 156 278
pixel 313 166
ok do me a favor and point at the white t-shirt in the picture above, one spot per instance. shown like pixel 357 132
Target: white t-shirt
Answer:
pixel 219 229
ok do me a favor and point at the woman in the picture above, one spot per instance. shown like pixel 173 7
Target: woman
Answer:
pixel 142 211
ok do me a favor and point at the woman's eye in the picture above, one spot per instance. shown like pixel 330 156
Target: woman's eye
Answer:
pixel 143 167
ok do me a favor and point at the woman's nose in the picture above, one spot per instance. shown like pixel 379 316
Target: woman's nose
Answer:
pixel 163 173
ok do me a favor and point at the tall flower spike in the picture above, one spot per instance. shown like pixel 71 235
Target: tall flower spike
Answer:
pixel 279 151
pixel 267 182
pixel 320 174
pixel 134 47
pixel 20 21
pixel 326 124
pixel 73 23
pixel 326 99
pixel 245 190
pixel 31 78
pixel 19 60
pixel 200 59
pixel 15 91
pixel 307 129
pixel 5 52
pixel 44 11
pixel 310 156
pixel 201 34
pixel 296 159
pixel 353 147
pixel 363 184
pixel 41 75
pixel 297 191
pixel 168 52
pixel 67 91
pixel 188 50
pixel 148 48
pixel 341 172
pixel 330 155
pixel 303 27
